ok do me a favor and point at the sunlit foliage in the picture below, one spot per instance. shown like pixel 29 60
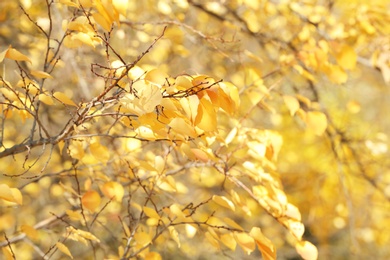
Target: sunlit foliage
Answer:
pixel 181 129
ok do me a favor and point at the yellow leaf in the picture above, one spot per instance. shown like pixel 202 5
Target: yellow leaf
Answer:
pixel 64 249
pixel 316 121
pixel 46 99
pixel 292 104
pixel 336 74
pixel 190 106
pixel 151 213
pixel 292 212
pixel 30 231
pixel 156 76
pixel 142 238
pixel 99 151
pixel 229 241
pixel 246 242
pixel 223 201
pixel 346 57
pixel 307 250
pixel 232 223
pixel 113 190
pixel 200 155
pixel 190 230
pixel 91 200
pixel 69 3
pixel 174 235
pixel 265 246
pixel 206 118
pixel 153 256
pixel 102 21
pixel 148 97
pixel 10 194
pixel 13 54
pixel 41 74
pixel 212 240
pixel 180 126
pixel 63 99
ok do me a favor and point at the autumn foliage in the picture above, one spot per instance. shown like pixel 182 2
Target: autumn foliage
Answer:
pixel 181 129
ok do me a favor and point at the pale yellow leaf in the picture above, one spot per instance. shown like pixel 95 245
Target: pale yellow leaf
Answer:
pixel 142 238
pixel 212 240
pixel 316 122
pixel 91 200
pixel 10 194
pixel 174 235
pixel 63 99
pixel 307 250
pixel 64 249
pixel 232 223
pixel 153 256
pixel 346 57
pixel 156 76
pixel 292 212
pixel 69 3
pixel 265 246
pixel 180 126
pixel 200 154
pixel 13 54
pixel 150 212
pixel 99 151
pixel 292 104
pixel 113 190
pixel 190 230
pixel 229 241
pixel 223 201
pixel 246 242
pixel 46 99
pixel 41 74
pixel 30 231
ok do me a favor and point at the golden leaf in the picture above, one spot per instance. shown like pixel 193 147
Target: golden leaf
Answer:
pixel 64 249
pixel 41 74
pixel 151 213
pixel 91 200
pixel 30 231
pixel 265 246
pixel 346 57
pixel 174 235
pixel 113 190
pixel 46 99
pixel 307 250
pixel 142 238
pixel 246 242
pixel 63 99
pixel 317 122
pixel 223 201
pixel 153 256
pixel 10 194
pixel 292 104
pixel 13 54
pixel 229 241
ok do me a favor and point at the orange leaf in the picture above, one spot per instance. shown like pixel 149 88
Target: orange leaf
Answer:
pixel 91 200
pixel 264 244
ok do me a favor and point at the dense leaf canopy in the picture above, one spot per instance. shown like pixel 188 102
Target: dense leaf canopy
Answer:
pixel 181 129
